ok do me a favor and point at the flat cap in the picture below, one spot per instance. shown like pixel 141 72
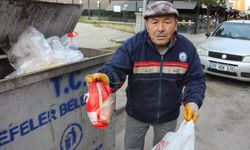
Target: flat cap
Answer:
pixel 160 8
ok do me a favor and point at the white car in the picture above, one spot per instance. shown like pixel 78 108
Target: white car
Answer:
pixel 226 52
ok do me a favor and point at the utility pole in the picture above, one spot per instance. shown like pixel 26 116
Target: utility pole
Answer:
pixel 143 12
pixel 136 5
pixel 99 9
pixel 88 10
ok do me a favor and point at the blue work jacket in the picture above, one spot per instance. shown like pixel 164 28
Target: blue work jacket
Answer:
pixel 157 84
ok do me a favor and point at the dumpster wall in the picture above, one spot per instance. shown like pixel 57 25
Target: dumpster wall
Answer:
pixel 46 110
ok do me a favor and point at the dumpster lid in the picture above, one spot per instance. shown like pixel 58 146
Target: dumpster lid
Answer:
pixel 49 18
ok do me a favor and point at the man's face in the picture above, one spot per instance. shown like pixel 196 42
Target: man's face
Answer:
pixel 161 29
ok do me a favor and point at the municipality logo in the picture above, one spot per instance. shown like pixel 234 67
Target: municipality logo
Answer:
pixel 71 137
pixel 183 57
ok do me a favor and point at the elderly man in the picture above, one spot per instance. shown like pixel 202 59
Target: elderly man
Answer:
pixel 163 72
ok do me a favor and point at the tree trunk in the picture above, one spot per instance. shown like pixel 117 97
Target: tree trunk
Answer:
pixel 208 18
pixel 197 17
pixel 88 10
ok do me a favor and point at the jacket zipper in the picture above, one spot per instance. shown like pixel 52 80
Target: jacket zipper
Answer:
pixel 159 101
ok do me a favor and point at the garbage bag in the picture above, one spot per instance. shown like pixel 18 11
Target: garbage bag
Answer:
pixel 182 139
pixel 34 52
pixel 31 52
pixel 62 54
pixel 99 104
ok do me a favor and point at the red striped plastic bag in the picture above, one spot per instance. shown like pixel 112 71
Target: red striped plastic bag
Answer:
pixel 99 104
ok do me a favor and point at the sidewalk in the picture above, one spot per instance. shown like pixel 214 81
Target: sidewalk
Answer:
pixel 94 37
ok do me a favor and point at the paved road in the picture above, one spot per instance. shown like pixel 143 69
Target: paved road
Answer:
pixel 225 117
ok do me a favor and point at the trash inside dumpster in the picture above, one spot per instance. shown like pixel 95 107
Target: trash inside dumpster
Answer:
pixel 34 52
pixel 45 109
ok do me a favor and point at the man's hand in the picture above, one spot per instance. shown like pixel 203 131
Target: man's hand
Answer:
pixel 190 112
pixel 97 77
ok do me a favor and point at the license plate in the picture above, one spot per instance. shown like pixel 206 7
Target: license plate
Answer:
pixel 222 67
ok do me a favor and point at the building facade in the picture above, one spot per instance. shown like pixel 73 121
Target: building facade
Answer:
pixel 237 5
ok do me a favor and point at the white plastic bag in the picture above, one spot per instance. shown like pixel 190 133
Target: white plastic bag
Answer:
pixel 182 139
pixel 32 51
pixel 63 54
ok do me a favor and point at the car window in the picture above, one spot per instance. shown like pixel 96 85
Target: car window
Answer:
pixel 233 30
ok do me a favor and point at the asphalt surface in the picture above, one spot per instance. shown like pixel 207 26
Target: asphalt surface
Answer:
pixel 91 36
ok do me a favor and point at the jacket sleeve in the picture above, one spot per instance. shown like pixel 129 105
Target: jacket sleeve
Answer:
pixel 195 86
pixel 120 65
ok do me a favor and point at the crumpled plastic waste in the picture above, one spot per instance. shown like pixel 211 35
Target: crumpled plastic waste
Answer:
pixel 34 52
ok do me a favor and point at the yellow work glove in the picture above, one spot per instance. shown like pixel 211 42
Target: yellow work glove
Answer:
pixel 190 112
pixel 97 77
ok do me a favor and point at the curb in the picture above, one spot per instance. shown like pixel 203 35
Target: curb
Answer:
pixel 119 41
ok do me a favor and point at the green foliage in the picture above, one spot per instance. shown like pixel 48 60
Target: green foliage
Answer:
pixel 210 3
pixel 93 22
